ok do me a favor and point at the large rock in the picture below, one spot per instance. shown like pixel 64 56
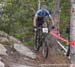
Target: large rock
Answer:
pixel 24 50
pixel 3 50
pixel 4 40
pixel 3 34
pixel 2 64
pixel 4 37
pixel 13 39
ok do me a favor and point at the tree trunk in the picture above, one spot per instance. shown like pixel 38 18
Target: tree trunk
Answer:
pixel 72 30
pixel 39 4
pixel 56 4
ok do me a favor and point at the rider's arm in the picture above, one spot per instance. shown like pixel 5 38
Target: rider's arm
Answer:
pixel 50 17
pixel 35 18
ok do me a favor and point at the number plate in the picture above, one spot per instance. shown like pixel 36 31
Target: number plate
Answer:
pixel 45 30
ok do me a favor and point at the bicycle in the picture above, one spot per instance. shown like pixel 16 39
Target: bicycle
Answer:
pixel 40 39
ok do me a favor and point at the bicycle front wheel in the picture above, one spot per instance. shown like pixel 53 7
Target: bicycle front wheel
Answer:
pixel 45 50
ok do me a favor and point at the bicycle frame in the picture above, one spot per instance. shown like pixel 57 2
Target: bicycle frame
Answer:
pixel 41 36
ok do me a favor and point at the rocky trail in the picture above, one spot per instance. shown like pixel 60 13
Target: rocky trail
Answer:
pixel 24 56
pixel 16 59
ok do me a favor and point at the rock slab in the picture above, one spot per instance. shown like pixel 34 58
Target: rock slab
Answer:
pixel 23 50
pixel 3 50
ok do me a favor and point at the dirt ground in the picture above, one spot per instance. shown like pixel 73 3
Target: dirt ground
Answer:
pixel 53 58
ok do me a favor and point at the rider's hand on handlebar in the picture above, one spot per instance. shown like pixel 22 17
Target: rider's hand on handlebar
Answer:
pixel 53 27
pixel 35 28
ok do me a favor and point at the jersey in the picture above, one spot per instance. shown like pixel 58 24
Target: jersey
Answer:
pixel 39 13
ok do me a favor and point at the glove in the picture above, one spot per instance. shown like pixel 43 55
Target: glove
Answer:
pixel 53 27
pixel 35 28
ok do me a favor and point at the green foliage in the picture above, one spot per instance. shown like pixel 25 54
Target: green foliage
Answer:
pixel 64 17
pixel 17 17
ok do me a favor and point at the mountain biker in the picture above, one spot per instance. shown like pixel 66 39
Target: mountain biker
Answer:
pixel 39 17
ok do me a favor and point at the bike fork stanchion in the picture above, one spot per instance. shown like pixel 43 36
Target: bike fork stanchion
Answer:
pixel 36 42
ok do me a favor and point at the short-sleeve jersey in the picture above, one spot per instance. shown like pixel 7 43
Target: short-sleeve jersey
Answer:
pixel 39 13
